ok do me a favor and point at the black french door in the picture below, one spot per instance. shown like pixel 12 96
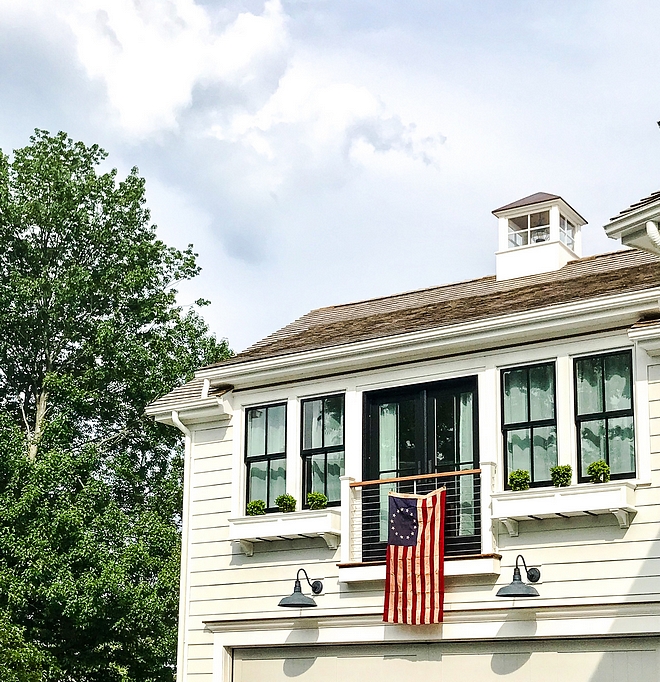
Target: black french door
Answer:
pixel 417 430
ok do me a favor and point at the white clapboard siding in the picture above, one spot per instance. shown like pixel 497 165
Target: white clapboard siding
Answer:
pixel 584 560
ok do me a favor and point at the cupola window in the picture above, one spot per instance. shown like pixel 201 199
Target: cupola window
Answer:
pixel 567 232
pixel 533 228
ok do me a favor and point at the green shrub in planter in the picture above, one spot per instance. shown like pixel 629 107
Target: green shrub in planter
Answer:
pixel 599 471
pixel 561 475
pixel 519 479
pixel 256 508
pixel 286 502
pixel 317 500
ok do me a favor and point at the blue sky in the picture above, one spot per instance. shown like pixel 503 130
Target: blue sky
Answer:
pixel 317 152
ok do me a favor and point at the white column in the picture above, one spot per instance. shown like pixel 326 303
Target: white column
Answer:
pixel 565 422
pixel 346 554
pixel 353 434
pixel 489 438
pixel 554 223
pixel 293 462
pixel 222 656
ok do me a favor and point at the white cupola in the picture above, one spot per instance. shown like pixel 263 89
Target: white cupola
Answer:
pixel 539 233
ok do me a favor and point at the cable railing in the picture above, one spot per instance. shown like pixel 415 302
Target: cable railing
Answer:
pixel 368 509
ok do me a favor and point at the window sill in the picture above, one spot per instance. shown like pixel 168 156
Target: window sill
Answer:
pixel 307 523
pixel 615 497
pixel 455 567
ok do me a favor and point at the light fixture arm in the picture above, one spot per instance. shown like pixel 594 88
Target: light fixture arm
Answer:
pixel 317 585
pixel 533 574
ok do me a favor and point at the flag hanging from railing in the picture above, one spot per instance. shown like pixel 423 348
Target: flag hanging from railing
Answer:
pixel 415 579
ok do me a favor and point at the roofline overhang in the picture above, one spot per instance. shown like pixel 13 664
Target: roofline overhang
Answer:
pixel 630 228
pixel 568 210
pixel 535 325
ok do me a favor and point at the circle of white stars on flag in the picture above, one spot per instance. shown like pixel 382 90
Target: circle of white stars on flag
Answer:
pixel 414 523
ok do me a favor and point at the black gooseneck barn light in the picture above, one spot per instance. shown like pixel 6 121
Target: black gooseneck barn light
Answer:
pixel 517 588
pixel 298 600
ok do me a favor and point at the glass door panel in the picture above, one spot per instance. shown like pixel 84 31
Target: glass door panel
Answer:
pixel 429 430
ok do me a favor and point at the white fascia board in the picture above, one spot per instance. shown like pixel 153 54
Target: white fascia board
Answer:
pixel 191 411
pixel 633 221
pixel 648 339
pixel 533 325
pixel 565 209
pixel 544 619
pixel 650 333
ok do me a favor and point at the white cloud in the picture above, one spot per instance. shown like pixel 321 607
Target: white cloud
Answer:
pixel 154 55
pixel 151 54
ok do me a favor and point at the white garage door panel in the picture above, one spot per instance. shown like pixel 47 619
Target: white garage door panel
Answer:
pixel 577 660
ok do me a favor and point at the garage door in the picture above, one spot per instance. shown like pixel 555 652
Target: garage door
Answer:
pixel 604 660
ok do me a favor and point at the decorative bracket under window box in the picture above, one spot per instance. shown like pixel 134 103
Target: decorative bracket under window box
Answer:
pixel 589 499
pixel 307 523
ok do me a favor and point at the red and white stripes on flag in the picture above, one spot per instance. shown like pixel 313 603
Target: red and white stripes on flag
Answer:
pixel 415 579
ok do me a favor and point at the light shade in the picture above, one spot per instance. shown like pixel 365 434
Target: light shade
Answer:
pixel 517 588
pixel 297 600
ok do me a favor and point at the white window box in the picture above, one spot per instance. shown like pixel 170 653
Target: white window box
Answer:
pixel 615 497
pixel 307 523
pixel 455 567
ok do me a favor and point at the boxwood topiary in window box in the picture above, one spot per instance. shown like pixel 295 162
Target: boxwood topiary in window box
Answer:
pixel 256 508
pixel 599 471
pixel 286 503
pixel 317 500
pixel 519 479
pixel 561 475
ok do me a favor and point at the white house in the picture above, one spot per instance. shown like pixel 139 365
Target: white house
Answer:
pixel 555 360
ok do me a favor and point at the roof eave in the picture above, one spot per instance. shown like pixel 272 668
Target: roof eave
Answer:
pixel 540 206
pixel 630 228
pixel 192 411
pixel 582 316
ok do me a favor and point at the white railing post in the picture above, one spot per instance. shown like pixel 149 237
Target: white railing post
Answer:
pixel 346 555
pixel 489 530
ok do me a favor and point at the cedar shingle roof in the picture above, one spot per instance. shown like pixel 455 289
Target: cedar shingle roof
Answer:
pixel 528 201
pixel 442 306
pixel 189 392
pixel 640 204
pixel 537 198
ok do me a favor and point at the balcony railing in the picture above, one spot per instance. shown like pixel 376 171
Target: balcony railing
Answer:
pixel 367 506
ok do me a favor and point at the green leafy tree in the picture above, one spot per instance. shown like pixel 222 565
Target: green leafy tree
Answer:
pixel 90 489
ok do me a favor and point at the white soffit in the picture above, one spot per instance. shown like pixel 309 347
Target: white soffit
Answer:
pixel 630 227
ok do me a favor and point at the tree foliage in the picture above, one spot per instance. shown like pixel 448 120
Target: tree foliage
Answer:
pixel 90 489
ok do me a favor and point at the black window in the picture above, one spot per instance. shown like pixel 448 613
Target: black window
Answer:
pixel 265 453
pixel 604 413
pixel 529 422
pixel 323 446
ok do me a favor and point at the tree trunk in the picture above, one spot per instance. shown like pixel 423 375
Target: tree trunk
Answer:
pixel 39 420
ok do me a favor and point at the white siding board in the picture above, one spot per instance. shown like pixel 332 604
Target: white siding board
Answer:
pixel 209 521
pixel 200 651
pixel 217 434
pixel 219 491
pixel 222 504
pixel 213 477
pixel 654 372
pixel 201 465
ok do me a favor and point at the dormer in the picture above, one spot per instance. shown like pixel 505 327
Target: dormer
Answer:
pixel 539 233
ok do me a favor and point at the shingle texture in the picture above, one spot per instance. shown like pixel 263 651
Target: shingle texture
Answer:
pixel 186 393
pixel 528 201
pixel 652 198
pixel 451 304
pixel 442 306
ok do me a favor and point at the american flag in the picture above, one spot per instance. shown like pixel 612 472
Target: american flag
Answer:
pixel 415 581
